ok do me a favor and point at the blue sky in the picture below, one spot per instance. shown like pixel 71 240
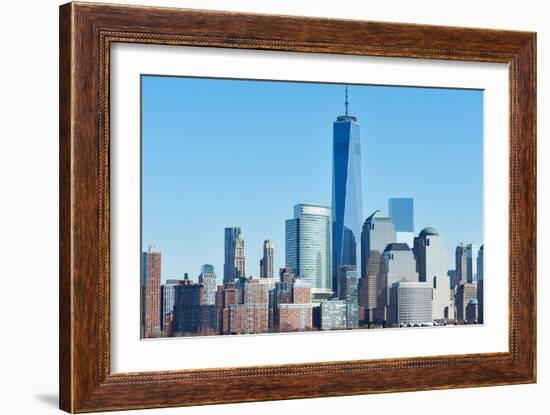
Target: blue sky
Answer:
pixel 218 153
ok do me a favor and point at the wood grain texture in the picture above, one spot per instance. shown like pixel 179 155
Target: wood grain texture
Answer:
pixel 86 33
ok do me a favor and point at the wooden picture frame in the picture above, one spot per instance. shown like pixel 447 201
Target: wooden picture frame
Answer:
pixel 86 33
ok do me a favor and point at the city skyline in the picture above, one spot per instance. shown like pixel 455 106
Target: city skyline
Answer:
pixel 175 239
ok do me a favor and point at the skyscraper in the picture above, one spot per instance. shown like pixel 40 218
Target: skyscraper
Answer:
pixel 480 283
pixel 150 288
pixel 266 264
pixel 189 297
pixel 167 300
pixel 378 232
pixel 348 291
pixel 401 211
pixel 464 293
pixel 461 262
pixel 207 278
pixel 398 265
pixel 368 288
pixel 431 262
pixel 308 246
pixel 234 265
pixel 471 255
pixel 347 200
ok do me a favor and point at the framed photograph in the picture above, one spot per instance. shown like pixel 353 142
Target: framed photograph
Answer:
pixel 258 207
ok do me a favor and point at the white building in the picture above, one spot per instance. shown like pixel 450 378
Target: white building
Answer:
pixel 431 262
pixel 333 315
pixel 411 303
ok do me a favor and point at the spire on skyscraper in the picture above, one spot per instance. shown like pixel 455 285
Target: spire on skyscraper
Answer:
pixel 347 102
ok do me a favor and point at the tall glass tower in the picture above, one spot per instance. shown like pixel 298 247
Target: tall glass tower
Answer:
pixel 347 199
pixel 307 247
pixel 401 210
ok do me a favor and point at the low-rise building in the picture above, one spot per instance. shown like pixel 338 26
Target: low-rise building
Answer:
pixel 411 303
pixel 333 315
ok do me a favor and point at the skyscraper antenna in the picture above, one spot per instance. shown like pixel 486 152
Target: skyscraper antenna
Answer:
pixel 347 103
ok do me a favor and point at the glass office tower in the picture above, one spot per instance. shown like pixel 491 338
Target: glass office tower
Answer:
pixel 401 211
pixel 347 202
pixel 307 247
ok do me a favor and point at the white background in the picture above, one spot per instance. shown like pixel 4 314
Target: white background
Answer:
pixel 129 354
pixel 29 208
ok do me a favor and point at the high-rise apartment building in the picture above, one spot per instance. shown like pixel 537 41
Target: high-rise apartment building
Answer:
pixel 378 231
pixel 266 263
pixel 150 289
pixel 251 313
pixel 292 306
pixel 347 199
pixel 401 211
pixel 234 265
pixel 308 246
pixel 294 317
pixel 431 262
pixel 207 278
pixel 226 295
pixel 248 319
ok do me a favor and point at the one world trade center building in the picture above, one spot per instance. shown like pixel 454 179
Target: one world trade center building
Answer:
pixel 347 201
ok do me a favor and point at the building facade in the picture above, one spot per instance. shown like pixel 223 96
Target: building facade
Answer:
pixel 378 231
pixel 367 298
pixel 472 312
pixel 167 302
pixel 189 297
pixel 464 293
pixel 480 283
pixel 347 199
pixel 472 251
pixel 266 263
pixel 399 266
pixel 294 317
pixel 333 315
pixel 247 319
pixel 234 266
pixel 250 313
pixel 207 278
pixel 226 295
pixel 431 262
pixel 150 289
pixel 308 246
pixel 348 291
pixel 411 304
pixel 461 266
pixel 401 211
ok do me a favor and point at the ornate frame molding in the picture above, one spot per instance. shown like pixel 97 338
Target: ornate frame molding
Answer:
pixel 86 33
